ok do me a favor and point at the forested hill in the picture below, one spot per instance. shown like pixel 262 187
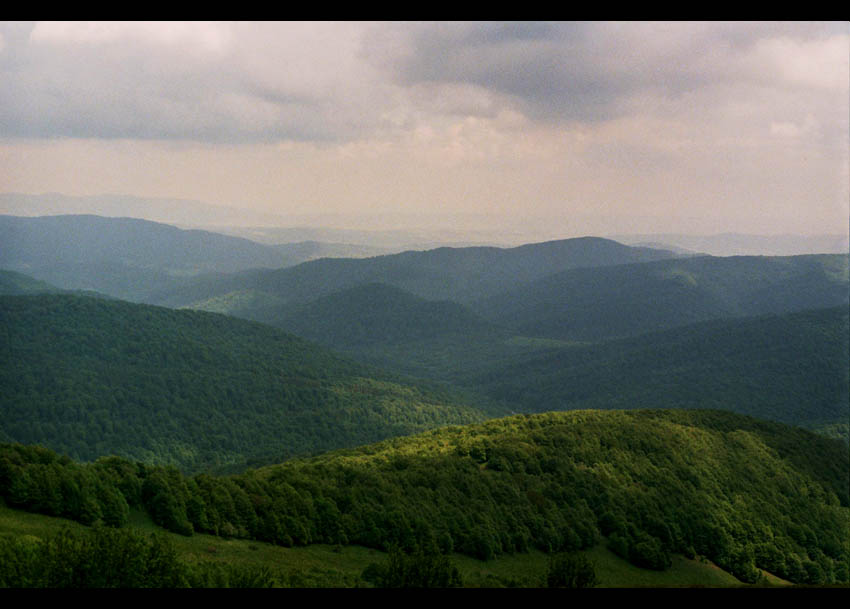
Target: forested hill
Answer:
pixel 631 299
pixel 13 283
pixel 16 284
pixel 89 377
pixel 85 239
pixel 458 274
pixel 379 314
pixel 122 257
pixel 793 368
pixel 743 493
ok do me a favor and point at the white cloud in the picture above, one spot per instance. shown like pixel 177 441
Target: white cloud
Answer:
pixel 791 129
pixel 205 37
pixel 820 63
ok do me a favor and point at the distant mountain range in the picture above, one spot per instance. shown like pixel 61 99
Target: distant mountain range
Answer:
pixel 585 322
pixel 459 274
pixel 129 258
pixel 625 300
pixel 13 283
pixel 789 367
pixel 370 236
pixel 180 212
pixel 737 244
pixel 123 257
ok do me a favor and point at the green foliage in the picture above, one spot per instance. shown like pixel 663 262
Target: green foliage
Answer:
pixel 89 377
pixel 631 299
pixel 420 569
pixel 743 493
pixel 791 368
pixel 571 570
pixel 217 575
pixel 108 558
pixel 100 558
pixel 458 274
pixel 377 314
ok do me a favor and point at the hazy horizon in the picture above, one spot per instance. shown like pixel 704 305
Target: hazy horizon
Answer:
pixel 417 234
pixel 515 131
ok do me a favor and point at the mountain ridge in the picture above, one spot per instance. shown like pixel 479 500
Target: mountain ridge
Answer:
pixel 90 376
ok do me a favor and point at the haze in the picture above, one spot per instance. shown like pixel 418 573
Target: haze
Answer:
pixel 550 130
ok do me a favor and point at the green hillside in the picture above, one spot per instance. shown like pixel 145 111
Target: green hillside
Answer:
pixel 123 257
pixel 458 274
pixel 14 283
pixel 378 314
pixel 90 377
pixel 207 560
pixel 626 300
pixel 791 368
pixel 747 495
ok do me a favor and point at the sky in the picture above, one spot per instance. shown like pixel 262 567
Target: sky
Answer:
pixel 557 128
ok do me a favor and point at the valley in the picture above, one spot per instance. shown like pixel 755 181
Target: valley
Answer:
pixel 650 410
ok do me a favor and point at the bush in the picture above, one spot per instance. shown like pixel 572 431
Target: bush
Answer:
pixel 418 570
pixel 571 570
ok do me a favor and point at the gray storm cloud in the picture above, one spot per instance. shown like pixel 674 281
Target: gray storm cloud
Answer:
pixel 682 126
pixel 269 81
pixel 591 71
pixel 216 82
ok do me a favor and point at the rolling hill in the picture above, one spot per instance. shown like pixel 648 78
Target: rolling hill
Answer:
pixel 90 377
pixel 13 283
pixel 791 368
pixel 748 495
pixel 377 314
pixel 619 301
pixel 122 257
pixel 458 274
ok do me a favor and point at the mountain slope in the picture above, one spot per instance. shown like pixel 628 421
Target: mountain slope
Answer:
pixel 458 274
pixel 740 491
pixel 791 368
pixel 90 377
pixel 13 283
pixel 123 257
pixel 378 314
pixel 743 493
pixel 619 301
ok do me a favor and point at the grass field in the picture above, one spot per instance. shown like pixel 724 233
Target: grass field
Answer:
pixel 341 566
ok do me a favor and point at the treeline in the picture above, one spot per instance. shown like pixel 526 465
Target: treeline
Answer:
pixel 104 557
pixel 743 493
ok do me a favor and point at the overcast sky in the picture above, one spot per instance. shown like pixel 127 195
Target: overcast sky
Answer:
pixel 578 128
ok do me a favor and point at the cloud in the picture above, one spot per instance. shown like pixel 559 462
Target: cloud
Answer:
pixel 791 129
pixel 337 82
pixel 226 82
pixel 591 71
pixel 200 37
